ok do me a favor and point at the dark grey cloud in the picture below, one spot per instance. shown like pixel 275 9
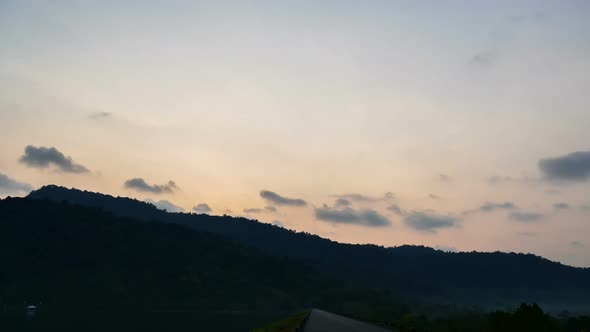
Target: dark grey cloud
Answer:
pixel 561 206
pixel 571 167
pixel 428 222
pixel 365 217
pixel 395 209
pixel 43 157
pixel 577 244
pixel 341 202
pixel 139 184
pixel 433 196
pixel 277 199
pixel 165 205
pixel 99 115
pixel 270 208
pixel 11 186
pixel 202 208
pixel 525 216
pixel 585 207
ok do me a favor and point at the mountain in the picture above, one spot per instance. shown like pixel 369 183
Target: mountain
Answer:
pixel 89 270
pixel 466 278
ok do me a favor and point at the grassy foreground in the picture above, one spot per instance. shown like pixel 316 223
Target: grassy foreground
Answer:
pixel 288 324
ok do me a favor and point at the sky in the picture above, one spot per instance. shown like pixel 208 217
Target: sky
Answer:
pixel 460 125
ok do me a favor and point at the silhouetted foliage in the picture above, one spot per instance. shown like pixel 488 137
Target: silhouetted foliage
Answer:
pixel 87 269
pixel 525 318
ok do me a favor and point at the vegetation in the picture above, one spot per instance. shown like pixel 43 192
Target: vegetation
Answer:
pixel 525 318
pixel 289 324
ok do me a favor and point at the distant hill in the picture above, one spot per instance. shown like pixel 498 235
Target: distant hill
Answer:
pixel 88 270
pixel 473 278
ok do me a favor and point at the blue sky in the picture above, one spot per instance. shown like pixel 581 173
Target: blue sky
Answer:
pixel 449 106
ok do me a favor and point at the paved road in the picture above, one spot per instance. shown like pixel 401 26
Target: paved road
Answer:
pixel 322 321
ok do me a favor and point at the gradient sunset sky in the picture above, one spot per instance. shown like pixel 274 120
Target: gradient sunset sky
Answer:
pixel 462 125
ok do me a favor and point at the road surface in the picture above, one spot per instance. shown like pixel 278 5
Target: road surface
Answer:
pixel 322 321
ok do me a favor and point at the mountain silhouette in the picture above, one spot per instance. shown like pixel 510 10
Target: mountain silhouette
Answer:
pixel 468 278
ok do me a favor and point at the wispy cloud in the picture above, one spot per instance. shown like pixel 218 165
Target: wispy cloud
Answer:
pixel 43 157
pixel 491 207
pixel 500 179
pixel 165 205
pixel 99 115
pixel 444 178
pixel 342 202
pixel 395 209
pixel 526 216
pixel 527 234
pixel 356 197
pixel 266 209
pixel 253 210
pixel 11 186
pixel 484 58
pixel 202 208
pixel 496 179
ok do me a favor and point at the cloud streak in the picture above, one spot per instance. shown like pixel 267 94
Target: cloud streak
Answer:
pixel 140 185
pixel 355 197
pixel 489 207
pixel 253 210
pixel 365 217
pixel 277 199
pixel 43 157
pixel 99 115
pixel 266 209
